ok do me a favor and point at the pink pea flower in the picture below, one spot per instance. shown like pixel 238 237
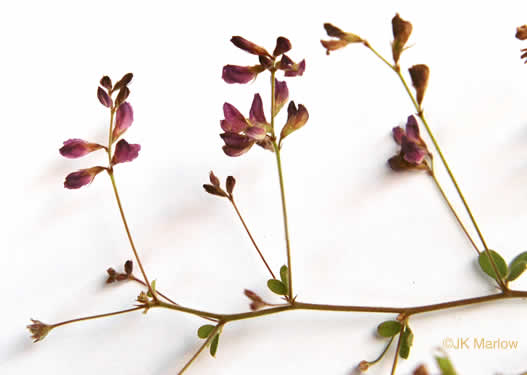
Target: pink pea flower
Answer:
pixel 414 152
pixel 123 119
pixel 125 152
pixel 240 133
pixel 76 148
pixel 82 177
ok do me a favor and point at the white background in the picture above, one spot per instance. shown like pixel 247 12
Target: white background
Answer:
pixel 360 233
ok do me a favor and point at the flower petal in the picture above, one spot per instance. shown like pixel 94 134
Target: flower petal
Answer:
pixel 412 152
pixel 281 94
pixel 233 151
pixel 296 69
pixel 398 134
pixel 256 114
pixel 412 130
pixel 282 46
pixel 256 133
pixel 125 152
pixel 234 121
pixel 123 119
pixel 82 177
pixel 238 74
pixel 236 140
pixel 333 45
pixel 75 148
pixel 248 46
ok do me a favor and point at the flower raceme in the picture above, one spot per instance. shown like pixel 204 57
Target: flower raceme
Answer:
pixel 413 153
pixel 124 151
pixel 245 74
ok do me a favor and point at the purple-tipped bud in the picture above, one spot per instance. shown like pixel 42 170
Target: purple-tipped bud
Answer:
pixel 128 267
pixel 230 182
pixel 281 95
pixel 248 46
pixel 124 92
pixel 282 46
pixel 213 179
pixel 106 82
pixel 82 177
pixel 123 81
pixel 104 98
pixel 234 121
pixel 256 114
pixel 296 118
pixel 240 74
pixel 125 152
pixel 123 119
pixel 76 148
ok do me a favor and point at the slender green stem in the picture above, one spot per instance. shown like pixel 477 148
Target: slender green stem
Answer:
pixel 443 194
pixel 295 305
pixel 96 316
pixel 207 341
pixel 399 341
pixel 231 199
pixel 282 190
pixel 420 113
pixel 383 352
pixel 123 217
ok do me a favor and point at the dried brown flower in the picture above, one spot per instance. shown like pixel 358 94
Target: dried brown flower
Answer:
pixel 401 33
pixel 39 330
pixel 521 32
pixel 419 74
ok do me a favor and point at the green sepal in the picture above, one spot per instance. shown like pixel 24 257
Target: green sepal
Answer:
pixel 153 286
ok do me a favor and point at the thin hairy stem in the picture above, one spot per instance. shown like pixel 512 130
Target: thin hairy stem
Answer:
pixel 443 194
pixel 282 191
pixel 196 355
pixel 96 316
pixel 231 199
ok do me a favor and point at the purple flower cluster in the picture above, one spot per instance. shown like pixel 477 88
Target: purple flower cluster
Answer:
pixel 241 133
pixel 413 153
pixel 124 151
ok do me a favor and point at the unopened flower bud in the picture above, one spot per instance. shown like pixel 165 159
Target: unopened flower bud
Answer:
pixel 76 148
pixel 521 32
pixel 213 179
pixel 82 177
pixel 112 276
pixel 128 267
pixel 419 74
pixel 121 97
pixel 123 81
pixel 249 46
pixel 104 98
pixel 125 152
pixel 282 46
pixel 343 38
pixel 401 33
pixel 231 181
pixel 215 190
pixel 106 82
